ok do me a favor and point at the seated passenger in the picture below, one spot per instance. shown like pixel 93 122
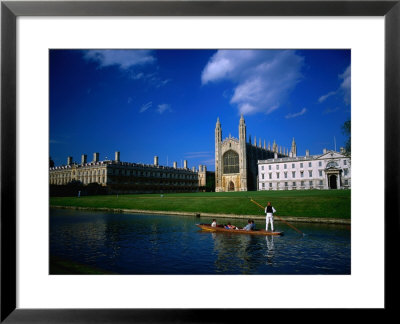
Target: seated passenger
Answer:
pixel 214 223
pixel 229 226
pixel 253 225
pixel 249 226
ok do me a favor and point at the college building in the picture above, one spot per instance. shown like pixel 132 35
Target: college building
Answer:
pixel 236 159
pixel 127 177
pixel 330 170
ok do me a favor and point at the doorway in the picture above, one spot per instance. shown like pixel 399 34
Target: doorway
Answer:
pixel 332 181
pixel 231 186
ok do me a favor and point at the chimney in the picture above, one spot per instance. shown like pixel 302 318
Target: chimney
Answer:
pixel 342 150
pixel 324 150
pixel 185 164
pixel 156 160
pixel 307 153
pixel 69 160
pixel 96 157
pixel 174 165
pixel 200 168
pixel 117 155
pixel 275 155
pixel 83 159
pixel 194 169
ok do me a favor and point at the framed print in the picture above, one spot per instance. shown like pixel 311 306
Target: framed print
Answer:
pixel 30 293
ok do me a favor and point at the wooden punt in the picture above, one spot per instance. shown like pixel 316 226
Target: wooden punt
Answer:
pixel 220 228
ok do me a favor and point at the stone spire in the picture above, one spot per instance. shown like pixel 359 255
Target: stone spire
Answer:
pixel 274 147
pixel 293 150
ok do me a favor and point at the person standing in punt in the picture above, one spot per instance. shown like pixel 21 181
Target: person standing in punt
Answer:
pixel 269 212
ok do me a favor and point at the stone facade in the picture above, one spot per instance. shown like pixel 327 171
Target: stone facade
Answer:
pixel 126 177
pixel 236 159
pixel 330 170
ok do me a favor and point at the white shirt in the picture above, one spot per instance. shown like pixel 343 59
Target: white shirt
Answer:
pixel 214 224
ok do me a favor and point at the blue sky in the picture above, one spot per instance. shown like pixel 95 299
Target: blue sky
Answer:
pixel 166 102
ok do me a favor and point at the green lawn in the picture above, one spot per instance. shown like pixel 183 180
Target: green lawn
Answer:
pixel 306 203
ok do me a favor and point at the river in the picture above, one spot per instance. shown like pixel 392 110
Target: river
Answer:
pixel 162 244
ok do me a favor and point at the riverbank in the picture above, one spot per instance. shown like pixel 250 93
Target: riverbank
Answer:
pixel 213 215
pixel 328 206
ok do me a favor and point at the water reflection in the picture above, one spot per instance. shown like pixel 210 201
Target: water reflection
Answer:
pixel 237 253
pixel 270 249
pixel 160 244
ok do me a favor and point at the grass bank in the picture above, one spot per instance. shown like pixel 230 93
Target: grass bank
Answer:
pixel 307 203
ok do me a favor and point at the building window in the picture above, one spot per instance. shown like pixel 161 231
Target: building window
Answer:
pixel 286 184
pixel 346 182
pixel 319 163
pixel 231 162
pixel 277 167
pixel 262 167
pixel 293 166
pixel 285 166
pixel 285 175
pixel 262 176
pixel 311 183
pixel 302 183
pixel 321 182
pixel 301 174
pixel 277 175
pixel 310 173
pixel 270 185
pixel 344 162
pixel 301 165
pixel 269 167
pixel 263 185
pixel 345 172
pixel 310 164
pixel 294 184
pixel 270 175
pixel 320 173
pixel 293 174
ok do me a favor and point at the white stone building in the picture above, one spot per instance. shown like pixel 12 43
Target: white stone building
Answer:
pixel 330 170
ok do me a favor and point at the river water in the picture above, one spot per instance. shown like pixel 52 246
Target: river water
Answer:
pixel 162 244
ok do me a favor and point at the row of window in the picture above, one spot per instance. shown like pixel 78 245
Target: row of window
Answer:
pixel 124 173
pixel 294 184
pixel 285 165
pixel 310 174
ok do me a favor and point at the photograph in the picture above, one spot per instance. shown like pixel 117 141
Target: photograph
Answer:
pixel 199 161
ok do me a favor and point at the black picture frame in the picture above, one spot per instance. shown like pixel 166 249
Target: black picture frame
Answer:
pixel 10 10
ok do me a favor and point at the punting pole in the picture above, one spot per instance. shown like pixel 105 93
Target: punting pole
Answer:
pixel 297 230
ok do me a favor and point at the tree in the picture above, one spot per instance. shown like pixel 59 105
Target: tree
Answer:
pixel 346 129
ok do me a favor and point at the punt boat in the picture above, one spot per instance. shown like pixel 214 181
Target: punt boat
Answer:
pixel 222 229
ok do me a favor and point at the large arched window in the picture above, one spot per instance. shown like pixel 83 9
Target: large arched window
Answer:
pixel 231 162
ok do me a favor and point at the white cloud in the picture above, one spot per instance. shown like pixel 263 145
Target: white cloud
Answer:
pixel 344 88
pixel 163 107
pixel 124 59
pixel 146 106
pixel 324 97
pixel 300 113
pixel 263 79
pixel 192 155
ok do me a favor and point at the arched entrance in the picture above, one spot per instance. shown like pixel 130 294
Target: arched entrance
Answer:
pixel 231 186
pixel 333 181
